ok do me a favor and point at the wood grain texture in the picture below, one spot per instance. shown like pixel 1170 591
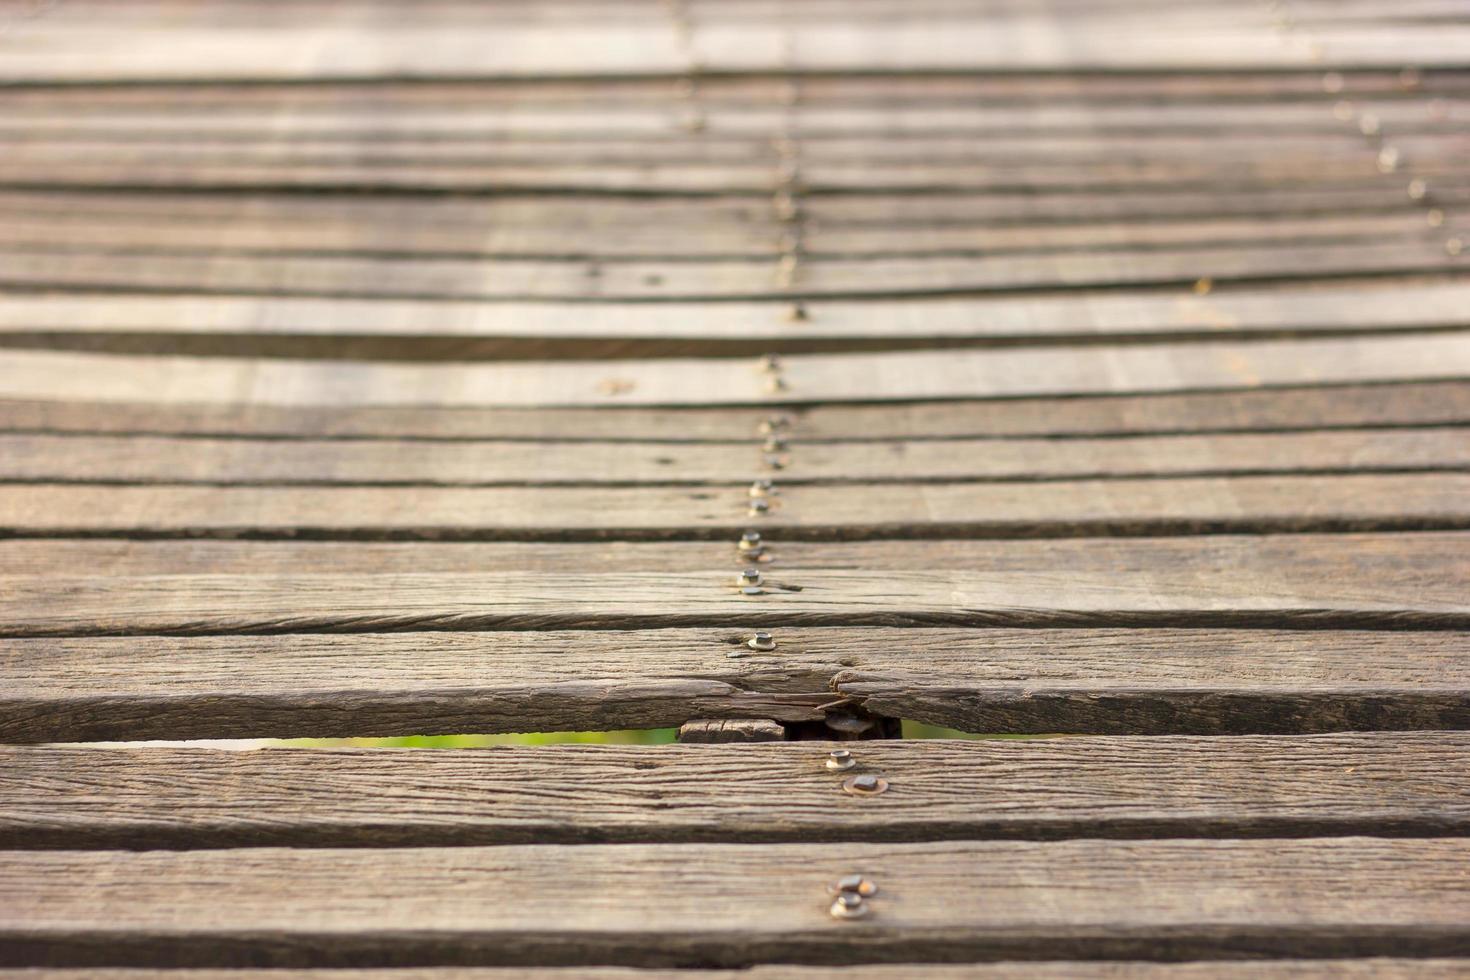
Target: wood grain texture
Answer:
pixel 1371 967
pixel 134 168
pixel 717 730
pixel 123 586
pixel 988 680
pixel 414 330
pixel 1062 508
pixel 1119 787
pixel 735 904
pixel 80 53
pixel 1387 406
pixel 424 219
pixel 890 376
pixel 151 459
pixel 468 279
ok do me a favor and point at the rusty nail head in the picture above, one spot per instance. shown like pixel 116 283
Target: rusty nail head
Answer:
pixel 840 759
pixel 848 905
pixel 762 641
pixel 865 785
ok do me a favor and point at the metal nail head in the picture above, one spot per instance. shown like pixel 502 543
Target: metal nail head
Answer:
pixel 762 641
pixel 840 759
pixel 762 488
pixel 865 785
pixel 849 905
pixel 751 543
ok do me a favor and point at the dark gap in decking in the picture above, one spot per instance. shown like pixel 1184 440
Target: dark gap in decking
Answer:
pixel 1432 270
pixel 389 834
pixel 757 616
pixel 857 439
pixel 729 948
pixel 435 348
pixel 786 478
pixel 869 531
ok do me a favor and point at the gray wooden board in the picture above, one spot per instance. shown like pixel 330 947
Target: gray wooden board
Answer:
pixel 1050 508
pixel 164 323
pixel 987 680
pixel 423 218
pixel 388 172
pixel 1385 406
pixel 234 461
pixel 466 279
pixel 889 376
pixel 736 904
pixel 288 119
pixel 59 587
pixel 1412 784
pixel 162 233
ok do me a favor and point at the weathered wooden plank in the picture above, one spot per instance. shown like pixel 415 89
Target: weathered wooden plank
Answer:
pixel 422 216
pixel 409 329
pixel 1166 152
pixel 124 586
pixel 1386 406
pixel 1186 505
pixel 153 459
pixel 289 119
pixel 1394 560
pixel 729 905
pixel 632 279
pixel 891 376
pixel 160 232
pixel 711 731
pixel 1116 681
pixel 1411 784
pixel 972 90
pixel 131 168
pixel 1370 967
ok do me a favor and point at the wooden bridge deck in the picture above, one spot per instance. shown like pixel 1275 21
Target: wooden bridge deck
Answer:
pixel 372 368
